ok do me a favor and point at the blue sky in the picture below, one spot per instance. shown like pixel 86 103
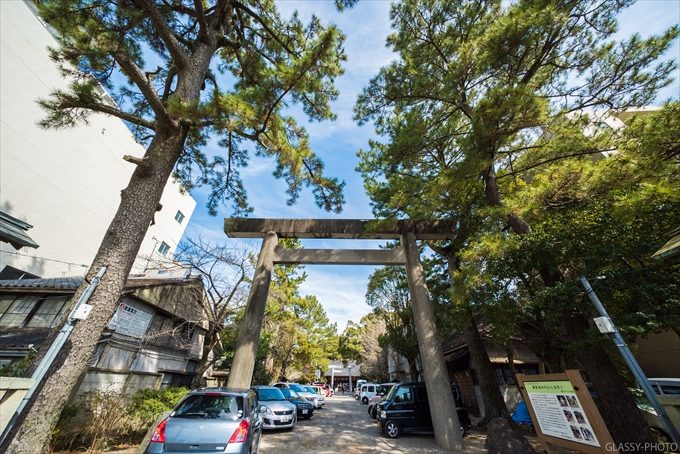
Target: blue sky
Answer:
pixel 341 289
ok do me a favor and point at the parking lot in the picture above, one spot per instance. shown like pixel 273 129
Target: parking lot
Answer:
pixel 345 427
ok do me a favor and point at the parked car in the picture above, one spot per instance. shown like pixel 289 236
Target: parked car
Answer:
pixel 210 419
pixel 276 411
pixel 357 388
pixel 304 408
pixel 406 408
pixel 320 400
pixel 367 391
pixel 311 396
pixel 383 390
pixel 327 389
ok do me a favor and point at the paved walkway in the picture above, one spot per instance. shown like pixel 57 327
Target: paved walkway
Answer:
pixel 344 427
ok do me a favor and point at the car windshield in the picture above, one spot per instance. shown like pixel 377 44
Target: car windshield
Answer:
pixel 268 394
pixel 391 393
pixel 297 388
pixel 310 389
pixel 212 406
pixel 290 394
pixel 384 389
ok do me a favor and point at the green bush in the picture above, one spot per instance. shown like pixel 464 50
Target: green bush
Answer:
pixel 98 420
pixel 148 404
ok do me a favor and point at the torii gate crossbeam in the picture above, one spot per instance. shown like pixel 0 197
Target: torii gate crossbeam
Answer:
pixel 442 406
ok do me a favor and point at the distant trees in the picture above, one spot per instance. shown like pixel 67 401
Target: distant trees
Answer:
pixel 297 336
pixel 363 342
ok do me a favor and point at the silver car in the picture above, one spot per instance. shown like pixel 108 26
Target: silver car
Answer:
pixel 311 397
pixel 275 410
pixel 320 401
pixel 210 420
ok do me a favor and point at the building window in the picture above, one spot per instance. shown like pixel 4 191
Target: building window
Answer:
pixel 179 217
pixel 163 249
pixel 48 312
pixel 31 311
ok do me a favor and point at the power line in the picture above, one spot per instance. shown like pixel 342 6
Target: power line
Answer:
pixel 45 258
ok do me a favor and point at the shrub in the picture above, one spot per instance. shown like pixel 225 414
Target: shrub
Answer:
pixel 148 404
pixel 93 421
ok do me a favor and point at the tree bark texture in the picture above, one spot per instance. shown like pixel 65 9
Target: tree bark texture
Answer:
pixel 117 252
pixel 494 404
pixel 613 398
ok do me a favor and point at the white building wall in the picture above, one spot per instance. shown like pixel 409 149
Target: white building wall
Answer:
pixel 66 183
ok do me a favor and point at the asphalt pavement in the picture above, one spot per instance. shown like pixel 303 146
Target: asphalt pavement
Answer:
pixel 344 427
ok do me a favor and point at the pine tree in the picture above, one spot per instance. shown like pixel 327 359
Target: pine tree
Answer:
pixel 196 71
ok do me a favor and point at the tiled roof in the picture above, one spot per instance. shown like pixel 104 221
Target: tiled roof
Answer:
pixel 72 283
pixel 55 283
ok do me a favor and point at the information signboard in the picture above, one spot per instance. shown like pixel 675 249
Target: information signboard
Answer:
pixel 559 412
pixel 130 321
pixel 564 413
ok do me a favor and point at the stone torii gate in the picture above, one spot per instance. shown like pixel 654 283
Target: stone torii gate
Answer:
pixel 442 405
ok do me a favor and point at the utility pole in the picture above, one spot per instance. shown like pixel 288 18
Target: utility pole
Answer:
pixel 606 326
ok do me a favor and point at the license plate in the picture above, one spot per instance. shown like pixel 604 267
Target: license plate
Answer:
pixel 285 418
pixel 304 412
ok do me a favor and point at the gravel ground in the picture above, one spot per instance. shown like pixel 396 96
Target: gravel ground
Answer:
pixel 345 427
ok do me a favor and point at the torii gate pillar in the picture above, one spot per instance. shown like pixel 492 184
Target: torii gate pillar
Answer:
pixel 442 405
pixel 243 365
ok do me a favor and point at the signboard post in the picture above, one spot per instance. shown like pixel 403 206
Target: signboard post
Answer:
pixel 564 413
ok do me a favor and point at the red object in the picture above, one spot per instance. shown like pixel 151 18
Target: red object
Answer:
pixel 159 434
pixel 240 435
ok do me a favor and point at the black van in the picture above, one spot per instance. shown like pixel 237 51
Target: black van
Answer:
pixel 406 408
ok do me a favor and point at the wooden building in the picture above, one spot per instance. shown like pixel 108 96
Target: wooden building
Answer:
pixel 153 340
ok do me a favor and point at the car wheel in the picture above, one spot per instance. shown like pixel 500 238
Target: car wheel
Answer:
pixel 307 416
pixel 364 400
pixel 356 397
pixel 374 412
pixel 463 432
pixel 392 429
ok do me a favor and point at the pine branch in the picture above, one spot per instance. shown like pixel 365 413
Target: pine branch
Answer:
pixel 103 108
pixel 202 23
pixel 133 71
pixel 255 16
pixel 174 47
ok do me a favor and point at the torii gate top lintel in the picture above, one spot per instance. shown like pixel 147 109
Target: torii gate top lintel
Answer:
pixel 339 228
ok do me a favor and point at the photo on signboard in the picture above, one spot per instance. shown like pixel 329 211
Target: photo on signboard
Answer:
pixel 587 434
pixel 576 432
pixel 579 417
pixel 568 415
pixel 573 403
pixel 563 401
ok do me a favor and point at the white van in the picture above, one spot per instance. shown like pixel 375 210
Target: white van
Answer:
pixel 368 390
pixel 357 390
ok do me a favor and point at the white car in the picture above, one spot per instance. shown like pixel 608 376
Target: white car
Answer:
pixel 368 390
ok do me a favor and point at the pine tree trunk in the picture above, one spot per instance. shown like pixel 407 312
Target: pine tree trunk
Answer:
pixel 613 398
pixel 494 404
pixel 117 252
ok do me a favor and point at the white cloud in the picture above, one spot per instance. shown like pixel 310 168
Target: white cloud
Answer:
pixel 340 289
